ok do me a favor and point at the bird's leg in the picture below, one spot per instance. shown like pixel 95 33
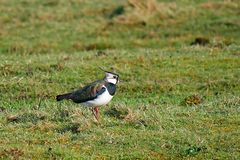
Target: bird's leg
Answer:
pixel 96 109
pixel 95 112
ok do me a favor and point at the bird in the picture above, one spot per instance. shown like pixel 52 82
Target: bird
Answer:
pixel 95 94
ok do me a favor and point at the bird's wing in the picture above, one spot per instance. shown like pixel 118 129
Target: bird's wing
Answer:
pixel 89 92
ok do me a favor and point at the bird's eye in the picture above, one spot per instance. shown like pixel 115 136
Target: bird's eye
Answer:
pixel 114 76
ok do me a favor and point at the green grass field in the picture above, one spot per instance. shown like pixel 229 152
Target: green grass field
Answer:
pixel 179 62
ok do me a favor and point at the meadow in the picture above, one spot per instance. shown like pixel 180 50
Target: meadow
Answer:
pixel 179 62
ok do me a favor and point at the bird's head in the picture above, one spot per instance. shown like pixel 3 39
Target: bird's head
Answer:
pixel 111 77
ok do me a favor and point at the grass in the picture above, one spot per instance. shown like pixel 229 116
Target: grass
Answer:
pixel 179 62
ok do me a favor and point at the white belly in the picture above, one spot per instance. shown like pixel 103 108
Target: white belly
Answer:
pixel 102 99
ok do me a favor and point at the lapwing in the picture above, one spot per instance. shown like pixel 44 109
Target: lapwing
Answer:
pixel 96 94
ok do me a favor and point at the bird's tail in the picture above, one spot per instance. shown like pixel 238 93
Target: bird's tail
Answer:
pixel 63 96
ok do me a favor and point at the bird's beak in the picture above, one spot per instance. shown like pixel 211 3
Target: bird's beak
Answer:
pixel 121 81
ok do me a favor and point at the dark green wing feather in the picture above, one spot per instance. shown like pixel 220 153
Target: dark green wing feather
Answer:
pixel 87 93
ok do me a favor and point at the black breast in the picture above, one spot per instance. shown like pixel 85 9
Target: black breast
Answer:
pixel 111 88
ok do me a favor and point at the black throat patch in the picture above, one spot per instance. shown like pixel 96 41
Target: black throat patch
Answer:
pixel 111 88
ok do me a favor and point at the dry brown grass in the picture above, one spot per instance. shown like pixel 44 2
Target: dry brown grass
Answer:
pixel 145 11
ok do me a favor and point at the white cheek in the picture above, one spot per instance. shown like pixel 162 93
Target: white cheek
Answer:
pixel 114 81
